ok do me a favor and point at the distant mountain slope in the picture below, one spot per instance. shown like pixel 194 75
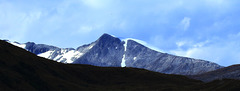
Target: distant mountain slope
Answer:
pixel 231 72
pixel 109 51
pixel 23 71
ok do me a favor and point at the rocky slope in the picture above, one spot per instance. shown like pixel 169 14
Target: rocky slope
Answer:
pixel 109 51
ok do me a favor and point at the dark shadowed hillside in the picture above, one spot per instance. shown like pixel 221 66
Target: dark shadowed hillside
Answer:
pixel 22 70
pixel 231 72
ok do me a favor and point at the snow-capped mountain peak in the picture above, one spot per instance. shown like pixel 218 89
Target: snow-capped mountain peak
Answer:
pixel 110 51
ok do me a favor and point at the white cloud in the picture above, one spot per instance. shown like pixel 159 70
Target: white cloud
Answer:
pixel 224 52
pixel 201 44
pixel 180 43
pixel 97 4
pixel 211 53
pixel 85 29
pixel 185 23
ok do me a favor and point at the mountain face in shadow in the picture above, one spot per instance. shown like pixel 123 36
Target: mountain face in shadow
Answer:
pixel 109 51
pixel 22 70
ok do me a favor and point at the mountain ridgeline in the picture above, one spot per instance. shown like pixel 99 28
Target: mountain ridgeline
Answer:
pixel 109 51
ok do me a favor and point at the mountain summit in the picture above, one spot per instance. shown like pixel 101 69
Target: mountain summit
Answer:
pixel 106 51
pixel 110 51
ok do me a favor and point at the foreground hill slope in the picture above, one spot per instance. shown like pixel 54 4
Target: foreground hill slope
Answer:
pixel 22 70
pixel 231 72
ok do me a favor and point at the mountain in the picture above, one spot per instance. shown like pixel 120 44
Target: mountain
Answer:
pixel 21 70
pixel 231 72
pixel 110 51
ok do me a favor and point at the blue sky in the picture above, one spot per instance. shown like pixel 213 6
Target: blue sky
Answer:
pixel 203 29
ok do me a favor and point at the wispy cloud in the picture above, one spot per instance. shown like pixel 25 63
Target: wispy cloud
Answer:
pixel 225 52
pixel 185 23
pixel 85 29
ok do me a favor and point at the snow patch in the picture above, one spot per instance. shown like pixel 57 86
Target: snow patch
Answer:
pixel 58 57
pixel 123 64
pixel 134 58
pixel 68 56
pixel 90 46
pixel 125 44
pixel 46 54
pixel 18 44
pixel 71 54
pixel 123 61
